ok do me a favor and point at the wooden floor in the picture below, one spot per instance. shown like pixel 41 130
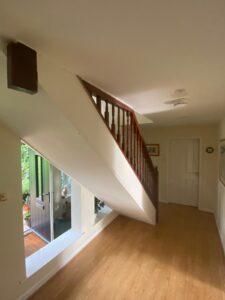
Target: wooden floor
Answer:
pixel 32 243
pixel 180 259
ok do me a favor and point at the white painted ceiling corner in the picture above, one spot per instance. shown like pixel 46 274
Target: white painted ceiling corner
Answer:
pixel 142 119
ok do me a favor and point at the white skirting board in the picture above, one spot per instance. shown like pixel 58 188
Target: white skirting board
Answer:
pixel 86 239
pixel 220 235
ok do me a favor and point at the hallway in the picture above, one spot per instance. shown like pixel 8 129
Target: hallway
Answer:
pixel 181 258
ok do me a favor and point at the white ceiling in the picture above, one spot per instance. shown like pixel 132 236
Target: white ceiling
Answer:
pixel 140 51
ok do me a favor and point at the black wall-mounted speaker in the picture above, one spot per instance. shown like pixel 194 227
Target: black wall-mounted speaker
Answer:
pixel 22 68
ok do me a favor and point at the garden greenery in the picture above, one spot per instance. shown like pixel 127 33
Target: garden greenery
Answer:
pixel 25 166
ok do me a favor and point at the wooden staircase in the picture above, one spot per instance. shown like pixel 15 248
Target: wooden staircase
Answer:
pixel 121 121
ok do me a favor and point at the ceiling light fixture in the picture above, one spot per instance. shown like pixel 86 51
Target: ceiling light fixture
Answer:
pixel 177 103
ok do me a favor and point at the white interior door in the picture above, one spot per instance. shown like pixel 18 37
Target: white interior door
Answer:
pixel 183 177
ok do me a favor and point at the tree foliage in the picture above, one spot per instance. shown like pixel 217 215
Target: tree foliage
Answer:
pixel 25 165
pixel 98 205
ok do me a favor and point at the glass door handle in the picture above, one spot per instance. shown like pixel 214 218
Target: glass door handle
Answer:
pixel 46 194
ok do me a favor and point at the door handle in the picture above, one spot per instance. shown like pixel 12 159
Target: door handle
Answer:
pixel 46 194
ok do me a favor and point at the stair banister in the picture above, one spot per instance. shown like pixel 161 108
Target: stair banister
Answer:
pixel 126 132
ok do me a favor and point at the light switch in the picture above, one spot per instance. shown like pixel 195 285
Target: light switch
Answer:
pixel 3 197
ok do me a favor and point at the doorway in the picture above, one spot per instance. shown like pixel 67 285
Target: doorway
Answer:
pixel 183 171
pixel 46 200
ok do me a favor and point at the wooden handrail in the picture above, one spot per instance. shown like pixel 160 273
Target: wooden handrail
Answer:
pixel 91 89
pixel 122 124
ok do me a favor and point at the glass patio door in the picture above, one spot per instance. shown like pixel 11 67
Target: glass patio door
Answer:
pixel 48 190
pixel 61 210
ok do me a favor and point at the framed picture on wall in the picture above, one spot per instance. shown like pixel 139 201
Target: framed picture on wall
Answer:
pixel 153 149
pixel 222 162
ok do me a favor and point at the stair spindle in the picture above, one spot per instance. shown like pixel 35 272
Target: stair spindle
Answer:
pixel 113 126
pixel 134 156
pixel 127 130
pixel 141 163
pixel 99 103
pixel 137 169
pixel 131 141
pixel 106 116
pixel 118 128
pixel 123 138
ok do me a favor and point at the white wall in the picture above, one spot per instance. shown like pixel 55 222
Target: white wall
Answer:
pixel 62 124
pixel 12 269
pixel 220 213
pixel 208 162
pixel 13 281
pixel 88 210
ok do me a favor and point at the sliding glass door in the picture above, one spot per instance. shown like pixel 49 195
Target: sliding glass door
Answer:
pixel 46 196
pixel 61 192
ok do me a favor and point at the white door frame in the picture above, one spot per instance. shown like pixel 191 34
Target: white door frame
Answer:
pixel 200 167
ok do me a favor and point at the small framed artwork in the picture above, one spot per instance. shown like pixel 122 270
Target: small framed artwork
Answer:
pixel 153 149
pixel 222 162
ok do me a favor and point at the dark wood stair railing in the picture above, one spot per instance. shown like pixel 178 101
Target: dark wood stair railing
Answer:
pixel 122 123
